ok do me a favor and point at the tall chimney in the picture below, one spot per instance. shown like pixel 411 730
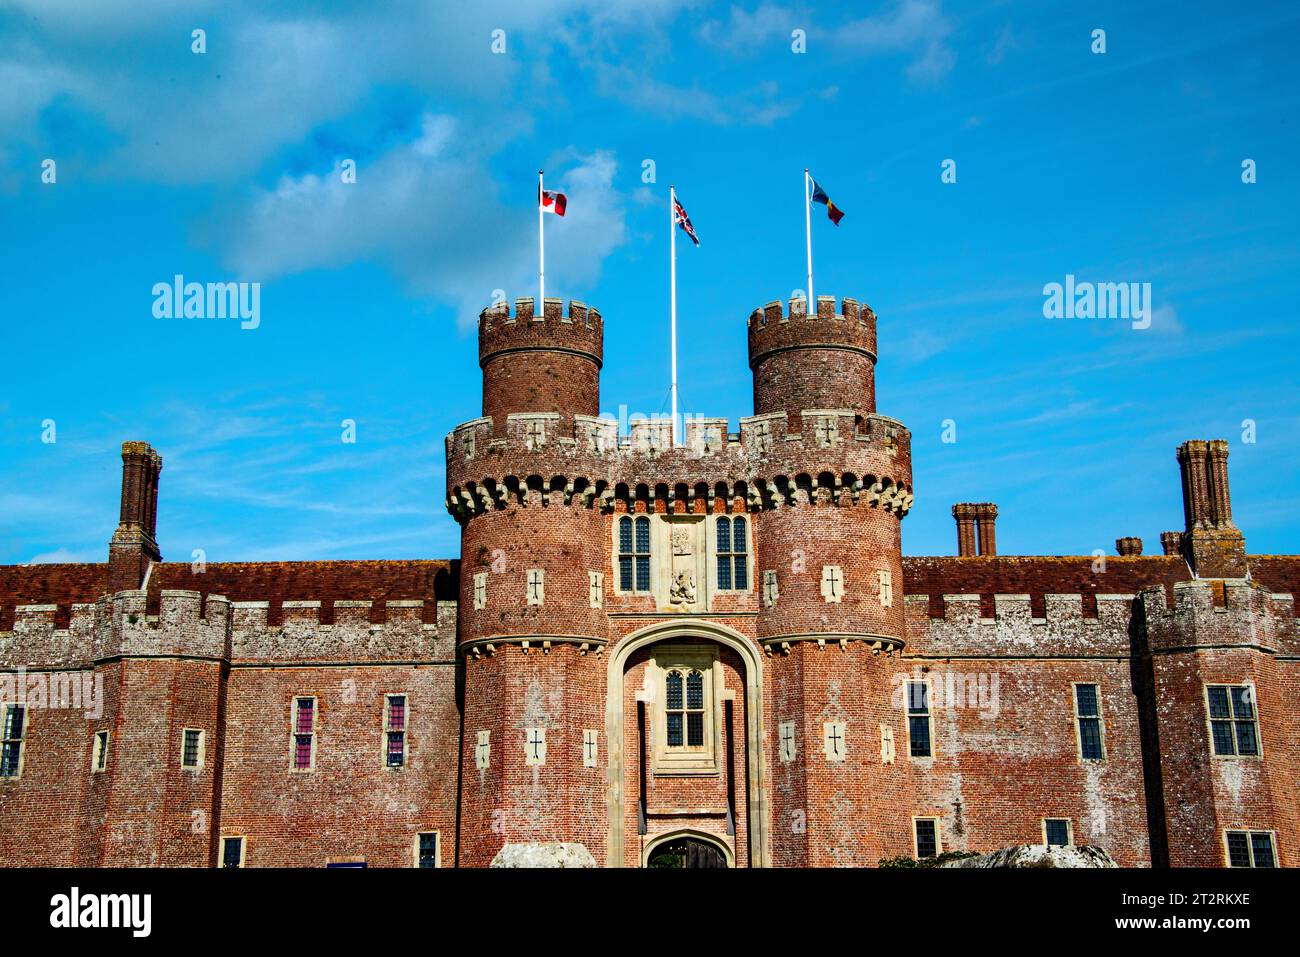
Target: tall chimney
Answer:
pixel 986 515
pixel 1211 542
pixel 134 545
pixel 964 513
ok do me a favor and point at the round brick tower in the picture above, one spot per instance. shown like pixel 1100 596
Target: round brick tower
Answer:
pixel 532 625
pixel 540 362
pixel 834 481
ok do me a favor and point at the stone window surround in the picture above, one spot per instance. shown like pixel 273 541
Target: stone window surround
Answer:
pixel 406 727
pixel 1250 832
pixel 1101 722
pixel 437 847
pixel 201 757
pixel 243 849
pixel 684 760
pixel 1069 829
pixel 661 526
pixel 99 743
pixel 938 834
pixel 21 740
pixel 908 716
pixel 1209 728
pixel 293 733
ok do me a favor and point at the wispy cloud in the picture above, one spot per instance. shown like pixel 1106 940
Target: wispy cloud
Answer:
pixel 915 27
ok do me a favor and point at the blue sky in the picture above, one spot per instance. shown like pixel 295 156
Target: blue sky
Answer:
pixel 1124 166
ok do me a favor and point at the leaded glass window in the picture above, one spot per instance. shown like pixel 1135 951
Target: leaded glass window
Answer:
pixel 1234 725
pixel 732 550
pixel 634 553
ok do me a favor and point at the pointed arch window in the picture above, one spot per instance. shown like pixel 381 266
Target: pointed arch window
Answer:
pixel 634 553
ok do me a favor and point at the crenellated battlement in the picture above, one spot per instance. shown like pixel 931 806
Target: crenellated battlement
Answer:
pixel 798 309
pixel 1219 613
pixel 773 329
pixel 1013 629
pixel 191 625
pixel 581 330
pixel 824 360
pixel 301 634
pixel 830 455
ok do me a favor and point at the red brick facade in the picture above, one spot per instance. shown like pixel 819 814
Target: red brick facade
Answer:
pixel 642 645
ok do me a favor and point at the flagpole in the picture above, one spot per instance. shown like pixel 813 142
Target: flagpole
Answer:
pixel 672 255
pixel 541 252
pixel 807 225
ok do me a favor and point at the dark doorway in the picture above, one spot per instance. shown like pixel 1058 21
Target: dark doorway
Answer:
pixel 687 852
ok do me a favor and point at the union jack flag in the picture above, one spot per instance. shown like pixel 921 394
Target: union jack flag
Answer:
pixel 684 221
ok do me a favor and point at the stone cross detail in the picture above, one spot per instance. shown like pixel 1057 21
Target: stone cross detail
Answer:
pixel 597 588
pixel 535 746
pixel 833 731
pixel 483 750
pixel 535 434
pixel 832 583
pixel 589 748
pixel 787 741
pixel 827 431
pixel 770 588
pixel 536 586
pixel 480 590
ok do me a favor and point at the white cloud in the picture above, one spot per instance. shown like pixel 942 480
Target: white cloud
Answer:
pixel 913 26
pixel 434 215
pixel 746 32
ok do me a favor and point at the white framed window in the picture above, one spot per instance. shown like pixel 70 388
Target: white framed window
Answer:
pixel 1233 721
pixel 1058 831
pixel 192 749
pixel 396 716
pixel 1088 726
pixel 232 851
pixel 13 734
pixel 428 850
pixel 99 752
pixel 633 543
pixel 731 552
pixel 925 835
pixel 1250 848
pixel 302 735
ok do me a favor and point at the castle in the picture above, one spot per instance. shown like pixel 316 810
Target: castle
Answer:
pixel 708 653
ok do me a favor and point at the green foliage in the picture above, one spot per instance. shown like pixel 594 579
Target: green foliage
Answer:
pixel 905 861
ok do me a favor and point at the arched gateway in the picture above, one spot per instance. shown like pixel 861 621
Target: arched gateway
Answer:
pixel 685 704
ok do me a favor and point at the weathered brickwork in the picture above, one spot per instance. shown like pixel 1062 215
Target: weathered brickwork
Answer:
pixel 649 652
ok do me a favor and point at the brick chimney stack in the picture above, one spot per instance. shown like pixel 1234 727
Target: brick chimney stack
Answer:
pixel 964 513
pixel 1129 546
pixel 1211 542
pixel 134 545
pixel 986 516
pixel 1171 542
